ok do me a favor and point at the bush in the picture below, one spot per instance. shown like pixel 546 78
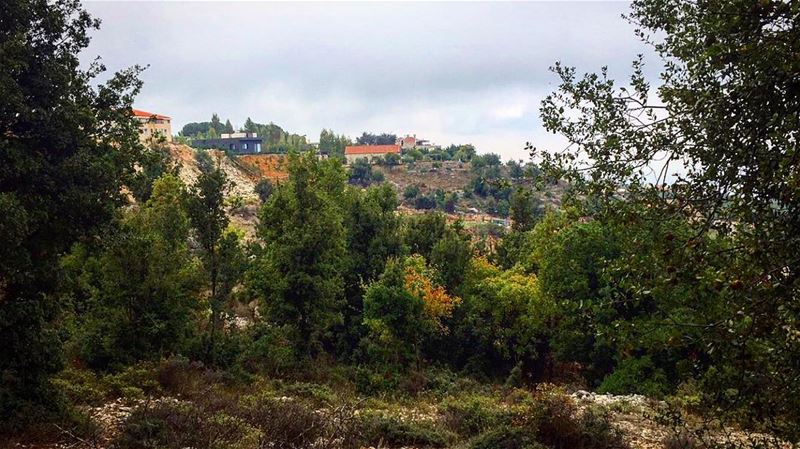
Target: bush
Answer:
pixel 474 414
pixel 391 431
pixel 636 375
pixel 411 192
pixel 560 427
pixel 506 438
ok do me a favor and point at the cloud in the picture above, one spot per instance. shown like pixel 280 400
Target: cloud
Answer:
pixel 451 72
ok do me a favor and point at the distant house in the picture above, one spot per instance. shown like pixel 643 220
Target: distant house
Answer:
pixel 411 142
pixel 370 152
pixel 237 143
pixel 153 126
pixel 407 142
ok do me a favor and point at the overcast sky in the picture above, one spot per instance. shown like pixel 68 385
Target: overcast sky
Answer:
pixel 448 72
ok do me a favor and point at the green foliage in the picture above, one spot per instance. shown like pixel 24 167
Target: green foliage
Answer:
pixel 396 432
pixel 394 318
pixel 421 232
pixel 264 189
pixel 475 414
pixel 140 289
pixel 376 139
pixel 501 321
pixel 361 173
pixel 636 375
pixel 411 192
pixel 298 272
pixel 61 181
pixel 333 145
pixel 222 253
pixel 451 256
pixel 737 193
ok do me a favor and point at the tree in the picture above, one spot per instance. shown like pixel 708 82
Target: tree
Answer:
pixel 372 236
pixel 228 127
pixel 153 163
pixel 376 139
pixel 361 173
pixel 141 287
pixel 502 322
pixel 298 272
pixel 421 232
pixel 65 151
pixel 451 256
pixel 250 126
pixel 264 189
pixel 523 210
pixel 216 124
pixel 728 113
pixel 402 309
pixel 206 208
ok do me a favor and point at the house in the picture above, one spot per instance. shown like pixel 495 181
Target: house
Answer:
pixel 411 142
pixel 153 126
pixel 369 152
pixel 408 142
pixel 237 143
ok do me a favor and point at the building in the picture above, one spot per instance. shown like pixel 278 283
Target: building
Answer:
pixel 370 152
pixel 408 142
pixel 237 143
pixel 153 126
pixel 411 142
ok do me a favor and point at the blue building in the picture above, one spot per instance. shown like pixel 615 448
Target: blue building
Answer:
pixel 237 143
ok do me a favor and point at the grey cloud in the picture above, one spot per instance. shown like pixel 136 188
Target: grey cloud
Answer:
pixel 453 70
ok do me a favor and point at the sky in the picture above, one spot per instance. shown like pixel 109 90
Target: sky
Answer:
pixel 448 72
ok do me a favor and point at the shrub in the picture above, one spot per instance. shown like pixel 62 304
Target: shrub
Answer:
pixel 411 192
pixel 391 431
pixel 636 375
pixel 474 414
pixel 506 438
pixel 319 394
pixel 560 427
pixel 283 423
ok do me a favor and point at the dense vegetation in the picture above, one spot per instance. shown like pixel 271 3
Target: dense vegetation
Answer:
pixel 687 291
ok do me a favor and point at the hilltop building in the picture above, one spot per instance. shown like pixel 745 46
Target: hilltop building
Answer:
pixel 411 142
pixel 370 152
pixel 153 126
pixel 237 143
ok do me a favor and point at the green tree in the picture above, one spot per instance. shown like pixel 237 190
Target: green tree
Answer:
pixel 298 272
pixel 727 113
pixel 372 236
pixel 216 124
pixel 264 189
pixel 451 256
pixel 142 287
pixel 65 151
pixel 250 126
pixel 153 163
pixel 228 127
pixel 422 231
pixel 206 206
pixel 523 210
pixel 502 322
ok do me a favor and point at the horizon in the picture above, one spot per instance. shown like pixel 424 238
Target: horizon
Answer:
pixel 453 73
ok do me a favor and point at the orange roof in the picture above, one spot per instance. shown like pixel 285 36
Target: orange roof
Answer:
pixel 141 113
pixel 410 140
pixel 371 149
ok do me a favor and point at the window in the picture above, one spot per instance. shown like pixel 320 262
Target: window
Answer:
pixel 244 146
pixel 258 147
pixel 231 147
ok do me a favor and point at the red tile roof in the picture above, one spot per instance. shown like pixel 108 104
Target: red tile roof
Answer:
pixel 371 149
pixel 141 113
